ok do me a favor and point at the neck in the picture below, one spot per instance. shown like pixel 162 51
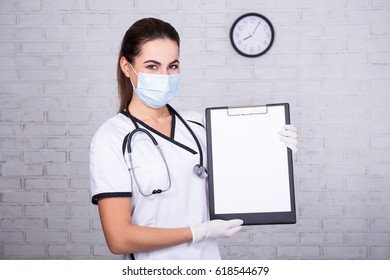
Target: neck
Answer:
pixel 145 113
pixel 159 119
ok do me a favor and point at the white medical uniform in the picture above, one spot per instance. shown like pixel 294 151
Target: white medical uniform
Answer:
pixel 183 204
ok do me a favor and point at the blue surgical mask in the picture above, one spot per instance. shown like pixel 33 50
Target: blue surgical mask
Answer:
pixel 155 90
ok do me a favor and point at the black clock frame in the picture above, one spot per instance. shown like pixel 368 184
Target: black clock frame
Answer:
pixel 236 22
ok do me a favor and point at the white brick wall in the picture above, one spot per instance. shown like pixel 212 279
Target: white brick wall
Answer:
pixel 330 61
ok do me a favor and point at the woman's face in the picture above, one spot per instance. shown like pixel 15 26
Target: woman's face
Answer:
pixel 160 56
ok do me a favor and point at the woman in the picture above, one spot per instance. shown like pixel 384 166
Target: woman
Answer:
pixel 151 203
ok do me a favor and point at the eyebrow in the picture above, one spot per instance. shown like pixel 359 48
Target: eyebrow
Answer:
pixel 159 63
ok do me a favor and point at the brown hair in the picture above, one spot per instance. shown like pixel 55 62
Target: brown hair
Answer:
pixel 136 36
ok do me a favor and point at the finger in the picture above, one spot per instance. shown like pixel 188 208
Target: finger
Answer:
pixel 235 222
pixel 233 231
pixel 288 133
pixel 290 143
pixel 289 140
pixel 290 127
pixel 293 148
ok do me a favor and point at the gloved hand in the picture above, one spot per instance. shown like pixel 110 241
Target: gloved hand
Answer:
pixel 214 229
pixel 289 136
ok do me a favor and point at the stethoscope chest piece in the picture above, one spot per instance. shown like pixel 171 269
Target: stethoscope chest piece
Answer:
pixel 200 170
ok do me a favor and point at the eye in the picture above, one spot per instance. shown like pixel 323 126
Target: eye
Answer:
pixel 151 67
pixel 174 66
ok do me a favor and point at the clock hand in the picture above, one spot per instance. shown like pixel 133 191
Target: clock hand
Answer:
pixel 250 35
pixel 256 28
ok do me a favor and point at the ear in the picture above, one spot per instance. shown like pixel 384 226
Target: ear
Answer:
pixel 125 67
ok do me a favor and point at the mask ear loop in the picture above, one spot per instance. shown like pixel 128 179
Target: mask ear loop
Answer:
pixel 134 72
pixel 132 68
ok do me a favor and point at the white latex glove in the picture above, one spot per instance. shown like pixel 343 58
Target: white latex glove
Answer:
pixel 215 229
pixel 289 136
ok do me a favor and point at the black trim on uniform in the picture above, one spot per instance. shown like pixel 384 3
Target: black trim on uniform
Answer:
pixel 173 124
pixel 198 123
pixel 192 133
pixel 96 197
pixel 173 128
pixel 124 143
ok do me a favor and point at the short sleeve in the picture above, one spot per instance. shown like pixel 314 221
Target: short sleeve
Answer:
pixel 109 173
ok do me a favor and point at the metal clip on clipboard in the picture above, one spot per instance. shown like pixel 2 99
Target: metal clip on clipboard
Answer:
pixel 249 110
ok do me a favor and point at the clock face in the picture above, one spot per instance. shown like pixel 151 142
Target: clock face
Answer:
pixel 252 35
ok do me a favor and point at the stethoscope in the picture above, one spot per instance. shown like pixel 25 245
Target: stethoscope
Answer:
pixel 198 169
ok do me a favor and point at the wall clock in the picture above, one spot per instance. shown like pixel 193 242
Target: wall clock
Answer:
pixel 252 35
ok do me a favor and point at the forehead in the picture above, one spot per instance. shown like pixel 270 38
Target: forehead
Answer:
pixel 160 50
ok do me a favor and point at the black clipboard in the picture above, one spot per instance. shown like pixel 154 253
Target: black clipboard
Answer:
pixel 250 169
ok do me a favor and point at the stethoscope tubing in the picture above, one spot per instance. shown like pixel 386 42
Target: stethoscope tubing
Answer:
pixel 185 124
pixel 138 130
pixel 198 169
